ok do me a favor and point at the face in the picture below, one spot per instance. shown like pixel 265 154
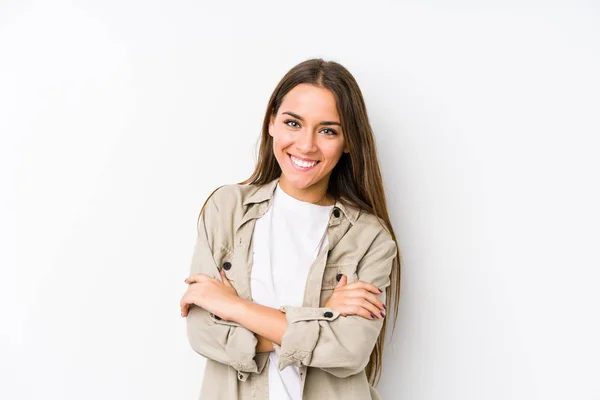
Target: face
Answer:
pixel 307 141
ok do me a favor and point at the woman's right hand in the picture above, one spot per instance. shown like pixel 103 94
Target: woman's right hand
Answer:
pixel 356 298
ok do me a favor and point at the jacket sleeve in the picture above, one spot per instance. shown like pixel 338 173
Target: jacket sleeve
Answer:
pixel 322 338
pixel 222 341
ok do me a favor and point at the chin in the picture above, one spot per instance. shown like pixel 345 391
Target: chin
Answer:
pixel 298 179
pixel 298 183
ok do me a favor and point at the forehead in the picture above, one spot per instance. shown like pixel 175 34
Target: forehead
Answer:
pixel 310 102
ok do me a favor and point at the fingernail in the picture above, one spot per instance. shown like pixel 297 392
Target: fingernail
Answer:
pixel 382 315
pixel 380 291
pixel 338 277
pixel 372 316
pixel 384 307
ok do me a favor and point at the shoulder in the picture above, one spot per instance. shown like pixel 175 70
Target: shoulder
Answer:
pixel 370 232
pixel 233 195
pixel 369 222
pixel 228 193
pixel 225 206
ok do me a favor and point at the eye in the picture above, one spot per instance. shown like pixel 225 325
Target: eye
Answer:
pixel 329 131
pixel 291 123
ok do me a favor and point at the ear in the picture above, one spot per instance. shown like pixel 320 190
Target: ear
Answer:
pixel 271 123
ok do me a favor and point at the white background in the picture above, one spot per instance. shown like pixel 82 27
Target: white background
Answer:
pixel 118 118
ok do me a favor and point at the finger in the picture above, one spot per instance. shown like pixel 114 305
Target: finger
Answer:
pixel 368 306
pixel 185 309
pixel 342 281
pixel 345 307
pixel 225 280
pixel 196 278
pixel 358 310
pixel 365 294
pixel 184 301
pixel 364 285
pixel 193 278
pixel 182 307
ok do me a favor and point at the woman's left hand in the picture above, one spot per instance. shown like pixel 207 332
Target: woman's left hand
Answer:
pixel 214 296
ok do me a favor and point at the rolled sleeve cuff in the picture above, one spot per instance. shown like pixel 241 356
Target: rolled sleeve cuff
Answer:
pixel 302 334
pixel 246 368
pixel 241 349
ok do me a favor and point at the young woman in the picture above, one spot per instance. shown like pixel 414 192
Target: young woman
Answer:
pixel 293 267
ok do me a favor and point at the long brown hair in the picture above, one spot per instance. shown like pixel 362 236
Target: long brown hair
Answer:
pixel 356 178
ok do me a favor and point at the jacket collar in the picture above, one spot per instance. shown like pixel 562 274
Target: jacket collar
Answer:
pixel 265 193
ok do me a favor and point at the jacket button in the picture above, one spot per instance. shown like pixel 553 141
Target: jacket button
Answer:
pixel 227 266
pixel 338 277
pixel 328 314
pixel 336 212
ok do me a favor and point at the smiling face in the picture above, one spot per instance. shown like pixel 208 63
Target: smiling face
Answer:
pixel 307 141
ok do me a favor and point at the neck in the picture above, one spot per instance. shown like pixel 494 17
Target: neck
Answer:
pixel 316 194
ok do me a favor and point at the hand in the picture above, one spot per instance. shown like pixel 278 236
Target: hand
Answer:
pixel 214 296
pixel 356 298
pixel 264 345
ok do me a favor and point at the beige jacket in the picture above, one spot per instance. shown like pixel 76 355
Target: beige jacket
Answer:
pixel 331 350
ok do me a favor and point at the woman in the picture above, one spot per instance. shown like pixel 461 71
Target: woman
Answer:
pixel 292 268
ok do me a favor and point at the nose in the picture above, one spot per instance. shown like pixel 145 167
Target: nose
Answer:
pixel 306 142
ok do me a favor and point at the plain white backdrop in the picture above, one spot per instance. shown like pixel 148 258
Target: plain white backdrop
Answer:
pixel 118 118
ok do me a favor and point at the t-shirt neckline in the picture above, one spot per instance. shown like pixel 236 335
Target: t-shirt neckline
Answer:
pixel 294 202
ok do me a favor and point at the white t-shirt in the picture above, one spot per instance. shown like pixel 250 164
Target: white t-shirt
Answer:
pixel 286 241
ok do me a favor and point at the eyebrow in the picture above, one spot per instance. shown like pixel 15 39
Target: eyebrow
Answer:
pixel 302 119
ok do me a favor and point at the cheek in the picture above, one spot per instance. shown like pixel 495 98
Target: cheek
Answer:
pixel 281 140
pixel 332 152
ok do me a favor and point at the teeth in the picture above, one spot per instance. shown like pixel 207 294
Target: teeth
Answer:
pixel 305 164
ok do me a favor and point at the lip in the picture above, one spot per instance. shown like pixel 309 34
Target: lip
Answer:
pixel 302 158
pixel 298 168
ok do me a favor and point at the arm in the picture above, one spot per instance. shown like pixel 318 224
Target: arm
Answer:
pixel 340 345
pixel 223 341
pixel 264 345
pixel 268 323
pixel 319 336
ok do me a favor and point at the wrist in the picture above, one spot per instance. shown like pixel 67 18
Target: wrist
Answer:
pixel 238 309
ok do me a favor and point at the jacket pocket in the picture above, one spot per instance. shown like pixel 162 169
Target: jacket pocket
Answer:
pixel 225 263
pixel 330 278
pixel 333 270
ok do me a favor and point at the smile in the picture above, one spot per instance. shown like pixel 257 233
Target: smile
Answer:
pixel 302 164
